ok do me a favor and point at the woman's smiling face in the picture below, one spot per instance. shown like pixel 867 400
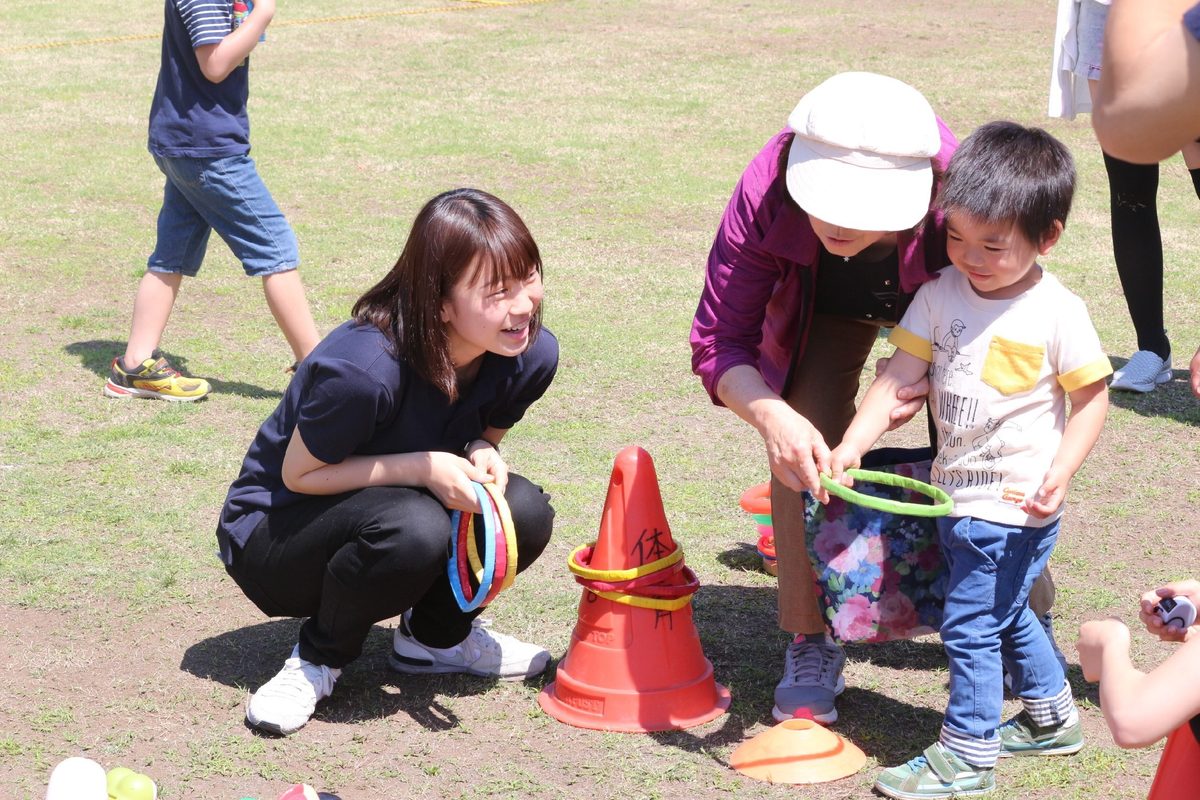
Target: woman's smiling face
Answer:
pixel 483 315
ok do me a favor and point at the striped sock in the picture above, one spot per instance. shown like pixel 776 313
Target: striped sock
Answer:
pixel 979 753
pixel 1052 712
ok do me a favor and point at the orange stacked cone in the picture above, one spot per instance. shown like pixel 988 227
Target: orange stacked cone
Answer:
pixel 635 663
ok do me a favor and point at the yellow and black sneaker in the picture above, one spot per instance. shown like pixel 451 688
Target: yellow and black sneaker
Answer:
pixel 155 379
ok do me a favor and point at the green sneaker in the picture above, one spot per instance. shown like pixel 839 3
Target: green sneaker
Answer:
pixel 935 773
pixel 1021 737
pixel 154 378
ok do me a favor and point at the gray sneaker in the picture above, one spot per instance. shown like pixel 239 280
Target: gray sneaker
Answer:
pixel 812 679
pixel 1142 373
pixel 483 652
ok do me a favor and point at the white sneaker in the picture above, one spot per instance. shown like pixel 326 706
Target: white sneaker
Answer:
pixel 492 655
pixel 286 702
pixel 1142 373
pixel 812 680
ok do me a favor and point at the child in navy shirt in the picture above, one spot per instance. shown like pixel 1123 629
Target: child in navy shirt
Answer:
pixel 200 139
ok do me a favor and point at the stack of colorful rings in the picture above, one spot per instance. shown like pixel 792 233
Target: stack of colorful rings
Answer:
pixel 756 501
pixel 646 586
pixel 498 569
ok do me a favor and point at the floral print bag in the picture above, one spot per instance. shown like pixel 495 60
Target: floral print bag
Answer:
pixel 879 576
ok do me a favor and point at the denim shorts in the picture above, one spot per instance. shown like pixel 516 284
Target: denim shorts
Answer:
pixel 225 195
pixel 1089 38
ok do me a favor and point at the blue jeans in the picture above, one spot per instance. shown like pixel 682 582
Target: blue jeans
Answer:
pixel 225 195
pixel 988 621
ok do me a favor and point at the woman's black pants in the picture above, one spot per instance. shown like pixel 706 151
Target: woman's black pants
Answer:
pixel 350 560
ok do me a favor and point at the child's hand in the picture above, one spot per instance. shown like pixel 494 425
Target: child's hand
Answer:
pixel 845 456
pixel 1050 494
pixel 1153 622
pixel 450 481
pixel 1094 638
pixel 486 457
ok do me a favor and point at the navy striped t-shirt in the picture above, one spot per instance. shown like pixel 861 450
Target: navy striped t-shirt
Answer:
pixel 191 116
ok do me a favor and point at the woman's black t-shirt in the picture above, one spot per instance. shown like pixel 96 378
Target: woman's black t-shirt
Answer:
pixel 352 396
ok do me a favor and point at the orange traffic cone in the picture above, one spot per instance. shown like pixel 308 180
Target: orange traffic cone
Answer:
pixel 1178 772
pixel 634 667
pixel 797 751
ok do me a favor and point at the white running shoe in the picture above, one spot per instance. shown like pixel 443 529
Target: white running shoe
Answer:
pixel 1142 373
pixel 483 652
pixel 286 702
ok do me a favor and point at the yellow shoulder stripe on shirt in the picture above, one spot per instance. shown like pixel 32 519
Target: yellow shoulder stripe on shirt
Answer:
pixel 912 344
pixel 1088 374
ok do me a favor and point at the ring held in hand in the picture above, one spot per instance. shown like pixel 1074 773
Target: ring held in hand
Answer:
pixel 942 504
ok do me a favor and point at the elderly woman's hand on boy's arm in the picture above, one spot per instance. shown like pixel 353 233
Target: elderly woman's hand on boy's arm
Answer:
pixel 913 395
pixel 1154 623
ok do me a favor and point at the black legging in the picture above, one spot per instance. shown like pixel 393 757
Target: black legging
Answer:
pixel 1137 246
pixel 350 560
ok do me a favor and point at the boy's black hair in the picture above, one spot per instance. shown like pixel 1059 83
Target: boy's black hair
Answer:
pixel 1005 172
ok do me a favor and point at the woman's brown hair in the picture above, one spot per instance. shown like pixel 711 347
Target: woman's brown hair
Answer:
pixel 456 231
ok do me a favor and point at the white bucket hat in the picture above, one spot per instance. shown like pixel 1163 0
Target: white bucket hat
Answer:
pixel 861 156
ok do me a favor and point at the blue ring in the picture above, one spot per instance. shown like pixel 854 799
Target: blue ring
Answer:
pixel 489 553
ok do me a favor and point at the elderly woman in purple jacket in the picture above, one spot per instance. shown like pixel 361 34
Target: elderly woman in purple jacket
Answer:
pixel 827 236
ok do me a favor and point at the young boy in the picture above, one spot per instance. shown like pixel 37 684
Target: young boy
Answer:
pixel 1003 343
pixel 200 139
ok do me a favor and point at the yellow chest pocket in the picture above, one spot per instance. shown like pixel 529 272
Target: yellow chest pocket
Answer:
pixel 1012 367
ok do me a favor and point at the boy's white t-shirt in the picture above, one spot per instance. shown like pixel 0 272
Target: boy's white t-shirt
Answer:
pixel 999 374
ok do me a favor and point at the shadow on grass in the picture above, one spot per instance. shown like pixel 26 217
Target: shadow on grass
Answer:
pixel 739 634
pixel 1173 399
pixel 96 355
pixel 886 729
pixel 248 657
pixel 742 557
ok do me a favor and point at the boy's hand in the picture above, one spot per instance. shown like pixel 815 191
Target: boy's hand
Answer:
pixel 845 456
pixel 1095 637
pixel 1153 622
pixel 1050 494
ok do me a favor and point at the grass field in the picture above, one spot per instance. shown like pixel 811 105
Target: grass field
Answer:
pixel 617 129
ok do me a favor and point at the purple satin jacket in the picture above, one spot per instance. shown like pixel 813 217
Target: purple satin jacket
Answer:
pixel 758 291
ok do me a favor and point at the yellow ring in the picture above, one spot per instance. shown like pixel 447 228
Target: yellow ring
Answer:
pixel 614 575
pixel 473 550
pixel 510 534
pixel 656 603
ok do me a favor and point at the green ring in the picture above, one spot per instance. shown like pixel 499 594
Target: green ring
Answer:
pixel 942 506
